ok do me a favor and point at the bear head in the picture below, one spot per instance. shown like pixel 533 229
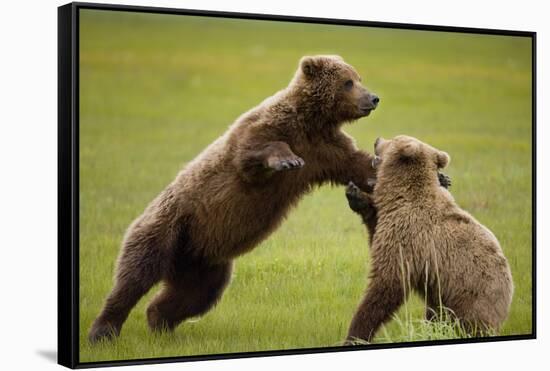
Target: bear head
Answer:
pixel 333 88
pixel 407 159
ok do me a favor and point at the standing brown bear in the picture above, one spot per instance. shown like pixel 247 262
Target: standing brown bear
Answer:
pixel 422 241
pixel 236 192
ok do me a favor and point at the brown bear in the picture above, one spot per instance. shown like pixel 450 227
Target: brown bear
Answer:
pixel 238 191
pixel 422 241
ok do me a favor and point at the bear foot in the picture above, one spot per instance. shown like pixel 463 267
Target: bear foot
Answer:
pixel 102 331
pixel 157 323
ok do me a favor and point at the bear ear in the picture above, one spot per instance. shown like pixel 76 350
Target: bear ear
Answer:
pixel 310 66
pixel 409 150
pixel 442 159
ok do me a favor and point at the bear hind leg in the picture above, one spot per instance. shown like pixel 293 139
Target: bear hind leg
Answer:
pixel 383 297
pixel 137 273
pixel 190 293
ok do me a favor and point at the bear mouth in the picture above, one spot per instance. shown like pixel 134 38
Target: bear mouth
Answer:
pixel 364 112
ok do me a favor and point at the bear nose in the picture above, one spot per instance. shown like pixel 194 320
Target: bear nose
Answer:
pixel 375 100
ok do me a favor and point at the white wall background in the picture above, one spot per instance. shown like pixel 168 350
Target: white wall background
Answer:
pixel 28 181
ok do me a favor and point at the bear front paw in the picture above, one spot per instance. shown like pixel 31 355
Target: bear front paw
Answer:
pixel 357 199
pixel 291 163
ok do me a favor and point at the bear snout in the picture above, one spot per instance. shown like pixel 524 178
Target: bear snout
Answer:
pixel 374 99
pixel 368 102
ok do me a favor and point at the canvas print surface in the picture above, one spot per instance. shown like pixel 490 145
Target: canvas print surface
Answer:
pixel 215 221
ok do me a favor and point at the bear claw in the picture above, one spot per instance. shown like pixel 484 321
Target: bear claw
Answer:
pixel 444 180
pixel 289 164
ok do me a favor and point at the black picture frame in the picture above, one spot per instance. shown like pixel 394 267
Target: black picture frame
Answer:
pixel 68 180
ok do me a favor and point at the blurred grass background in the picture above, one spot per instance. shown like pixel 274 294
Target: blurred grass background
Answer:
pixel 157 89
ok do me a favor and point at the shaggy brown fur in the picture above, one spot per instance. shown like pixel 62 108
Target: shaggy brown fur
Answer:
pixel 236 192
pixel 424 242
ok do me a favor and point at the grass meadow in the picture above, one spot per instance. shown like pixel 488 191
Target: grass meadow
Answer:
pixel 157 89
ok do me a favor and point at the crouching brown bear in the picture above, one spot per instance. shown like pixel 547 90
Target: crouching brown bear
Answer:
pixel 236 192
pixel 422 241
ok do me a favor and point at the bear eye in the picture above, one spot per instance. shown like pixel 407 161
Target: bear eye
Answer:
pixel 348 84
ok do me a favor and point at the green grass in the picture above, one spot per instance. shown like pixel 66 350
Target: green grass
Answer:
pixel 157 89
